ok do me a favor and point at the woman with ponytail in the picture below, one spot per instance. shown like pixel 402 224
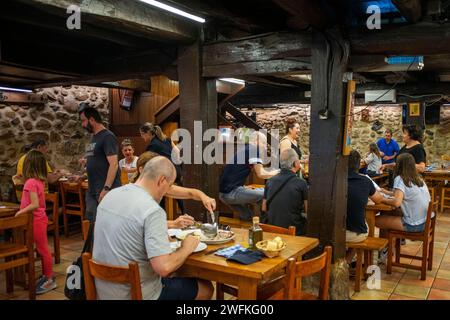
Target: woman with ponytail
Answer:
pixel 159 143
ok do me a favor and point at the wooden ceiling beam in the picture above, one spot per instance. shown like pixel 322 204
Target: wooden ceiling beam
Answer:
pixel 127 16
pixel 410 9
pixel 305 11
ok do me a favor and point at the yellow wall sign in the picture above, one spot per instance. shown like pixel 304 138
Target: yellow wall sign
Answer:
pixel 351 85
pixel 414 109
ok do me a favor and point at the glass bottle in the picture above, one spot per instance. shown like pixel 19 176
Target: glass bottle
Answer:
pixel 255 234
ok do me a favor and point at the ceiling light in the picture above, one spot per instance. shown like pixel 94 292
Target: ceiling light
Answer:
pixel 16 89
pixel 173 10
pixel 233 80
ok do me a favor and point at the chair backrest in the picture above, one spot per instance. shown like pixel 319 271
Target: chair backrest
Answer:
pixel 275 229
pixel 306 268
pixel 23 221
pixel 124 275
pixel 85 228
pixel 53 198
pixel 429 223
pixel 75 188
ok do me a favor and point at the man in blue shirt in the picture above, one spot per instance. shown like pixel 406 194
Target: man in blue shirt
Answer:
pixel 389 149
pixel 247 158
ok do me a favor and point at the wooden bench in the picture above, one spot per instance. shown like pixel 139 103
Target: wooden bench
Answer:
pixel 365 248
pixel 382 179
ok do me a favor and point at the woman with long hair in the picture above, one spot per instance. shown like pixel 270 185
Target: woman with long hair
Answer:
pixel 410 194
pixel 373 160
pixel 177 192
pixel 33 202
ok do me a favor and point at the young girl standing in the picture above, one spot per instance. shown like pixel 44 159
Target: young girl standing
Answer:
pixel 33 201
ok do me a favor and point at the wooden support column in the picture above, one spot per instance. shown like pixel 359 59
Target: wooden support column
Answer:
pixel 198 102
pixel 327 203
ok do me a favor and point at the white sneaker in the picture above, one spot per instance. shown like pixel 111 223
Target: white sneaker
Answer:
pixel 382 256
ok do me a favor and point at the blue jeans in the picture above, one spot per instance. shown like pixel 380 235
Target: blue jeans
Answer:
pixel 91 206
pixel 411 228
pixel 240 197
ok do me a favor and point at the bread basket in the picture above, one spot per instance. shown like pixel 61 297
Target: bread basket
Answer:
pixel 262 246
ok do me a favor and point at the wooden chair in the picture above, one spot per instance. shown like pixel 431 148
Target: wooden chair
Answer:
pixel 268 288
pixel 125 275
pixel 71 207
pixel 365 248
pixel 306 268
pixel 17 183
pixel 53 223
pixel 280 230
pixel 19 252
pixel 85 228
pixel 427 238
pixel 445 198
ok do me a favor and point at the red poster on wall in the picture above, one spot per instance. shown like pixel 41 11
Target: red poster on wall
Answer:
pixel 126 98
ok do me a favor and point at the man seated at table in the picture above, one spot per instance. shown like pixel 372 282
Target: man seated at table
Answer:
pixel 359 189
pixel 286 195
pixel 232 190
pixel 42 146
pixel 131 226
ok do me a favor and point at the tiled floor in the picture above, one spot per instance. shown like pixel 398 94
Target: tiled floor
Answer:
pixel 402 284
pixel 405 284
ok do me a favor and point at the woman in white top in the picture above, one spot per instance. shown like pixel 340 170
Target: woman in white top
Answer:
pixel 411 194
pixel 129 163
pixel 373 160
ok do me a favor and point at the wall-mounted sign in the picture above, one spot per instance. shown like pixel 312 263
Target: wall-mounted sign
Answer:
pixel 126 98
pixel 414 109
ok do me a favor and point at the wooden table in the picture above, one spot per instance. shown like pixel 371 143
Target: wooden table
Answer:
pixel 371 211
pixel 244 277
pixel 8 209
pixel 437 175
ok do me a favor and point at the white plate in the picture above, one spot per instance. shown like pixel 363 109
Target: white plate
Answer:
pixel 176 244
pixel 173 232
pixel 181 235
pixel 63 179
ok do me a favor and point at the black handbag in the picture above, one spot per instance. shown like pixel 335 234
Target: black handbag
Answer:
pixel 74 285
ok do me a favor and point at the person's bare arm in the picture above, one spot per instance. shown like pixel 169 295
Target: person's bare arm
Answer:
pixel 377 197
pixel 34 204
pixel 285 145
pixel 264 205
pixel 166 264
pixel 178 192
pixel 305 206
pixel 396 201
pixel 52 177
pixel 112 172
pixel 263 173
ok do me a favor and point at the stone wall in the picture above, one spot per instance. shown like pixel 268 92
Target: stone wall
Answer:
pixel 436 137
pixel 56 121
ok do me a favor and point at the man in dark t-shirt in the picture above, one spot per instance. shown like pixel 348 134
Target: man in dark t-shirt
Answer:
pixel 101 160
pixel 286 195
pixel 232 191
pixel 359 189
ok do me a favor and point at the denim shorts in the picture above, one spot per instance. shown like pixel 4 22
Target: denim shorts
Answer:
pixel 179 289
pixel 411 228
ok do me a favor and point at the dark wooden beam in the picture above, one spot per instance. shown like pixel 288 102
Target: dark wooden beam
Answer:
pixel 410 9
pixel 417 39
pixel 327 204
pixel 167 111
pixel 273 46
pixel 198 101
pixel 256 68
pixel 126 16
pixel 255 94
pixel 308 11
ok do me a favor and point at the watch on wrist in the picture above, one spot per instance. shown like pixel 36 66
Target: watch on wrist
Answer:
pixel 106 188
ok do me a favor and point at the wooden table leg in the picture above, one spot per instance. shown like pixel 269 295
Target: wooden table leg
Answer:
pixel 247 289
pixel 370 218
